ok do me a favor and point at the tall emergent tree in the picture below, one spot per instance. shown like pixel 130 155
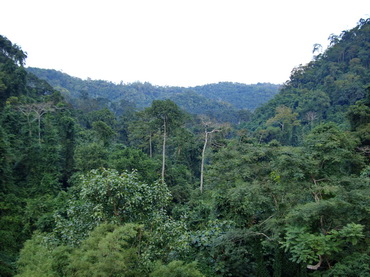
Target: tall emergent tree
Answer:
pixel 168 116
pixel 209 129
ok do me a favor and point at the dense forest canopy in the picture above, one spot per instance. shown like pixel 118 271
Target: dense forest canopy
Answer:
pixel 98 179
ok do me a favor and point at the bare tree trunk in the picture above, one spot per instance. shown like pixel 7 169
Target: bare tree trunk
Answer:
pixel 29 126
pixel 39 109
pixel 164 150
pixel 203 154
pixel 150 146
pixel 202 165
pixel 39 122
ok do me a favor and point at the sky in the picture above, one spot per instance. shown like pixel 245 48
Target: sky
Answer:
pixel 176 42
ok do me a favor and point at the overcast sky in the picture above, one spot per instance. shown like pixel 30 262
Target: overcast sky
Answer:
pixel 176 42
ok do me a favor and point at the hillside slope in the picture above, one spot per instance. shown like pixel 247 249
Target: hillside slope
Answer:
pixel 324 89
pixel 332 82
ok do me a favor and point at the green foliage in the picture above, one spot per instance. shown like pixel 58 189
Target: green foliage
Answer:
pixel 307 247
pixel 104 195
pixel 91 156
pixel 109 251
pixel 332 150
pixel 351 266
pixel 130 159
pixel 166 112
pixel 122 195
pixel 176 269
pixel 103 131
pixel 168 239
pixel 35 258
pixel 286 120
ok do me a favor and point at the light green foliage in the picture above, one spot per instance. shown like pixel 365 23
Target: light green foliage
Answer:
pixel 122 195
pixel 286 120
pixel 104 195
pixel 306 247
pixel 35 259
pixel 110 250
pixel 358 115
pixel 176 269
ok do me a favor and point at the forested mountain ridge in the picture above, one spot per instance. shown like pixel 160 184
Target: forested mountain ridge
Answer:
pixel 225 97
pixel 36 144
pixel 97 188
pixel 324 89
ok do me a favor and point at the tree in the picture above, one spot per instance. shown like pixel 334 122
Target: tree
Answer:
pixel 284 117
pixel 142 132
pixel 168 116
pixel 11 51
pixel 104 132
pixel 332 151
pixel 38 110
pixel 307 247
pixel 286 120
pixel 209 129
pixel 104 195
pixel 110 250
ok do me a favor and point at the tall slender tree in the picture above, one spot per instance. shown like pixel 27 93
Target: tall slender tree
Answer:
pixel 168 116
pixel 209 129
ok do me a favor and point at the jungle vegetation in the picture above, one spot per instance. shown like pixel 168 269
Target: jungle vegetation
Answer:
pixel 100 179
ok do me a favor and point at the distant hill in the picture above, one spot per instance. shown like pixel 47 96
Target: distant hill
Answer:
pixel 210 99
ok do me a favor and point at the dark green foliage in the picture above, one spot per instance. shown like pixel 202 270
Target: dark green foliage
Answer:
pixel 91 156
pixel 176 269
pixel 129 159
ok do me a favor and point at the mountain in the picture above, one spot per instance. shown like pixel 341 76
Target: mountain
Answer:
pixel 209 98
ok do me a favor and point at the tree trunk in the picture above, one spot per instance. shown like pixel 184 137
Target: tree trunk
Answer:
pixel 29 126
pixel 39 121
pixel 150 146
pixel 202 165
pixel 164 149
